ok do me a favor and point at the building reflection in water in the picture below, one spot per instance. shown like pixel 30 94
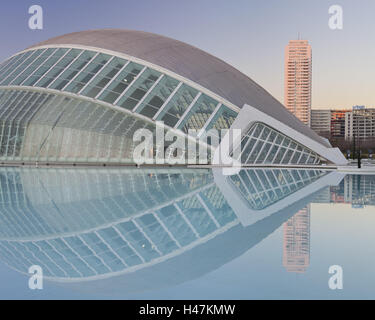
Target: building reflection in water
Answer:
pixel 357 190
pixel 296 253
pixel 135 229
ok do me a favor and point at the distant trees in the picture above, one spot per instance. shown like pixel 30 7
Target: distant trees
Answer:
pixel 367 146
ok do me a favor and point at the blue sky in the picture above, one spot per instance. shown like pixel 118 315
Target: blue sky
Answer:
pixel 249 34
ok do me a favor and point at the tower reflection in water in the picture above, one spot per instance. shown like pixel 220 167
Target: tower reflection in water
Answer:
pixel 134 229
pixel 296 254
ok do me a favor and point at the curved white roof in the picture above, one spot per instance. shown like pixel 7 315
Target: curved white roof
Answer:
pixel 191 63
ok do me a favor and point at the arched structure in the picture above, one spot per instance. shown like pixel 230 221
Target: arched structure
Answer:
pixel 92 76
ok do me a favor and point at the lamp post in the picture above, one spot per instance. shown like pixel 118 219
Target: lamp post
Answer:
pixel 358 142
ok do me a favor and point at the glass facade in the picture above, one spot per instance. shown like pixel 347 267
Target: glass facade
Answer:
pixel 264 145
pixel 117 81
pixel 37 126
pixel 110 220
pixel 264 187
pixel 122 83
pixel 79 223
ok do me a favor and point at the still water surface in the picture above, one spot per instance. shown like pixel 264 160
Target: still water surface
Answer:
pixel 158 233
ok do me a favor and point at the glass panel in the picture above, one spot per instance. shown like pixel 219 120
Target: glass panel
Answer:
pixel 248 149
pixel 265 133
pixel 255 152
pixel 264 153
pixel 30 69
pixel 311 159
pixel 275 153
pixel 303 158
pixel 137 240
pixel 292 145
pixel 14 64
pixel 296 157
pixel 198 216
pixel 120 84
pixel 258 130
pixel 88 73
pixel 157 97
pixel 104 77
pixel 272 136
pixel 286 142
pixel 255 180
pixel 279 139
pixel 288 156
pixel 263 178
pixel 223 119
pixel 157 233
pixel 7 65
pixel 199 113
pixel 52 74
pixel 21 67
pixel 72 70
pixel 280 155
pixel 139 89
pixel 45 67
pixel 177 106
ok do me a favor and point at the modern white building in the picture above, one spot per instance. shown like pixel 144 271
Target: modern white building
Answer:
pixel 79 98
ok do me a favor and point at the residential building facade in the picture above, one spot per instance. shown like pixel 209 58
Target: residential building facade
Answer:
pixel 298 79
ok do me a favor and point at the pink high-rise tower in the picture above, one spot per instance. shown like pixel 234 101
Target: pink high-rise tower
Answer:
pixel 298 79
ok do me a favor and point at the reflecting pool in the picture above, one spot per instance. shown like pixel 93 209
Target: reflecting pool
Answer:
pixel 172 233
